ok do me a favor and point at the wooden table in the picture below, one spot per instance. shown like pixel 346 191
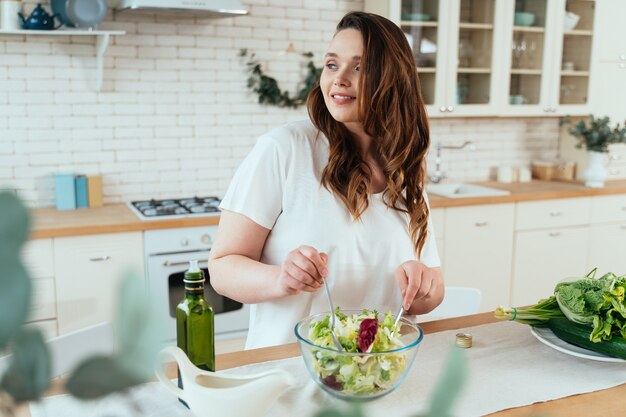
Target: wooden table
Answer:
pixel 608 402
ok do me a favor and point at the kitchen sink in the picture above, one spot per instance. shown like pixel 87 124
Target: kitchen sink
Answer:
pixel 462 190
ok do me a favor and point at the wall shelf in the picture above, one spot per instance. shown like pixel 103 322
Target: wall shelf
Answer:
pixel 102 42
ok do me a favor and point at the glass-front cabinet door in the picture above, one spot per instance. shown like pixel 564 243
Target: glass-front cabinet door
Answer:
pixel 419 20
pixel 550 56
pixel 570 92
pixel 472 68
pixel 528 61
pixel 453 43
pixel 498 57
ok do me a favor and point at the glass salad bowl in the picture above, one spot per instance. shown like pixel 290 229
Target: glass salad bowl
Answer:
pixel 375 359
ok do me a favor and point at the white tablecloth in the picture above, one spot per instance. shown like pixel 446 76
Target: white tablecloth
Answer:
pixel 508 367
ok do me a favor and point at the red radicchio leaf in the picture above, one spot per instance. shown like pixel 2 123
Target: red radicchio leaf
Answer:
pixel 331 382
pixel 367 333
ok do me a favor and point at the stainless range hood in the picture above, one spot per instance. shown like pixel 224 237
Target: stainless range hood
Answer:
pixel 199 8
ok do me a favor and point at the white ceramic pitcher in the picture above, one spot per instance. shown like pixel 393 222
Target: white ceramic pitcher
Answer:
pixel 212 395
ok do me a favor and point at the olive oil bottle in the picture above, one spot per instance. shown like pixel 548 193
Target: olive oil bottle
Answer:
pixel 195 322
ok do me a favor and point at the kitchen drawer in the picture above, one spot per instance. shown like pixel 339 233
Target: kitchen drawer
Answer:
pixel 437 216
pixel 553 213
pixel 43 304
pixel 615 172
pixel 608 209
pixel 38 258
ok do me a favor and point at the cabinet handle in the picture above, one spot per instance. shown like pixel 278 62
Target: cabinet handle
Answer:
pixel 442 109
pixel 615 157
pixel 622 66
pixel 481 224
pixel 450 108
pixel 556 213
pixel 613 171
pixel 170 263
pixel 622 57
pixel 546 109
pixel 554 234
pixel 100 258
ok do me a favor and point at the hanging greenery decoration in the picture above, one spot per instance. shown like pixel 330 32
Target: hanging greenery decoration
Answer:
pixel 267 87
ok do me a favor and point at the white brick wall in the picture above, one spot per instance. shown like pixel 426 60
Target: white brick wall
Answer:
pixel 174 117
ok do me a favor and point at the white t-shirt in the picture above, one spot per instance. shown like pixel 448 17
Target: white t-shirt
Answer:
pixel 278 187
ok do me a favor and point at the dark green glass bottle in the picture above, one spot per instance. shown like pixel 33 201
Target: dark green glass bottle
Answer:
pixel 195 322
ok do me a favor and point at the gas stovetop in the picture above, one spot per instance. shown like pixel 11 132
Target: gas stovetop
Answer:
pixel 176 208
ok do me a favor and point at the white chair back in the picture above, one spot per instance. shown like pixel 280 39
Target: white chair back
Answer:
pixel 458 301
pixel 68 350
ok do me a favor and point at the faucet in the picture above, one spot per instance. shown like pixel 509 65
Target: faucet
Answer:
pixel 439 175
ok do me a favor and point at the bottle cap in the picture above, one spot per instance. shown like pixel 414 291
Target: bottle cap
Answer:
pixel 193 266
pixel 464 340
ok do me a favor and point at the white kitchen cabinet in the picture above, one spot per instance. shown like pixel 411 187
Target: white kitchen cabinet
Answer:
pixel 545 257
pixel 608 78
pixel 551 243
pixel 88 271
pixel 475 59
pixel 548 68
pixel 437 216
pixel 607 238
pixel 38 259
pixel 479 249
pixel 553 213
pixel 454 44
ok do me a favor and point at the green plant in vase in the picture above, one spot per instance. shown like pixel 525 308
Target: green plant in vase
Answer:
pixel 595 135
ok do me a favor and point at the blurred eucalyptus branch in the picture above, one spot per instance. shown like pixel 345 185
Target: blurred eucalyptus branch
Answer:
pixel 28 374
pixel 267 87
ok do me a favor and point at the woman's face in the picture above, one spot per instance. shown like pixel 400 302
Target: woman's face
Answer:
pixel 339 81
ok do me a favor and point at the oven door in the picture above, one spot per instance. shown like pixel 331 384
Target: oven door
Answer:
pixel 165 280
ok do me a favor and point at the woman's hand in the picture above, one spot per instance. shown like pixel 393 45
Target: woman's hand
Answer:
pixel 422 287
pixel 304 269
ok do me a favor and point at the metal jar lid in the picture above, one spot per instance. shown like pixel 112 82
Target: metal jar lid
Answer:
pixel 464 340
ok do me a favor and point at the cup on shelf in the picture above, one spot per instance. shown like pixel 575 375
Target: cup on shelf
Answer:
pixel 8 14
pixel 524 19
pixel 517 99
pixel 569 66
pixel 570 21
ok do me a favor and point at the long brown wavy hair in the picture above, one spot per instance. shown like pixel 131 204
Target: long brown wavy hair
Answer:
pixel 392 112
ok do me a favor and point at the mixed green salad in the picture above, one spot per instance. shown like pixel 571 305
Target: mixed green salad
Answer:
pixel 358 374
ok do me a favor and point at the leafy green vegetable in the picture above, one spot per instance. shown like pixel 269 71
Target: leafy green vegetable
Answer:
pixel 595 302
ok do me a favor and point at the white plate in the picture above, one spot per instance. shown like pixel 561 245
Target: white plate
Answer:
pixel 545 336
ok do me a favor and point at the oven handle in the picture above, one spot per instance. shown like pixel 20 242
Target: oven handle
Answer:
pixel 169 263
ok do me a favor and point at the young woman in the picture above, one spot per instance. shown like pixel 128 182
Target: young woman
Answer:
pixel 339 197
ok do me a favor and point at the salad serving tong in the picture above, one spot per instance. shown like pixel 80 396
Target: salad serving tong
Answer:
pixel 332 317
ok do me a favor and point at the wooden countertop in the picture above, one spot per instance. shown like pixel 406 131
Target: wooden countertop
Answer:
pixel 48 222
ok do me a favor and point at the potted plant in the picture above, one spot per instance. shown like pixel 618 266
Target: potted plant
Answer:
pixel 595 135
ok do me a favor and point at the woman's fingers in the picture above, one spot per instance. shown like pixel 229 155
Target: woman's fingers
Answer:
pixel 304 269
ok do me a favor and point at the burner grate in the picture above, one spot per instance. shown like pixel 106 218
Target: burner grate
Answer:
pixel 176 207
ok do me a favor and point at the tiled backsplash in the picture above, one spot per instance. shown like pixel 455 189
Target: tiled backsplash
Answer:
pixel 174 117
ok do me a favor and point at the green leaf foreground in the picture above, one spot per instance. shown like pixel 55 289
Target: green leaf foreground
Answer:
pixel 138 341
pixel 15 285
pixel 28 374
